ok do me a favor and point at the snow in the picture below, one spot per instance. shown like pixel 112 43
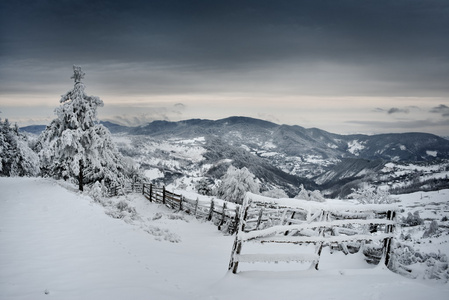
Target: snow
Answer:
pixel 196 140
pixel 269 154
pixel 57 243
pixel 154 173
pixel 355 147
pixel 432 153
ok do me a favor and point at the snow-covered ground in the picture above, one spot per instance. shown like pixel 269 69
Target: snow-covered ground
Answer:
pixel 56 243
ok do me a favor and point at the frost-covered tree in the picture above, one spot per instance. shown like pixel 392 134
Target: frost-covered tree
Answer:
pixel 275 193
pixel 75 146
pixel 303 193
pixel 235 183
pixel 16 157
pixel 370 195
pixel 203 187
pixel 432 230
pixel 309 195
pixel 413 219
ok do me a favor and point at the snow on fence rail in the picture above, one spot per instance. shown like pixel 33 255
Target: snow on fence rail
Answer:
pixel 224 214
pixel 347 227
pixel 128 188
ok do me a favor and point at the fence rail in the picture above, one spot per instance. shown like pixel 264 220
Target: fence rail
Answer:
pixel 292 221
pixel 221 213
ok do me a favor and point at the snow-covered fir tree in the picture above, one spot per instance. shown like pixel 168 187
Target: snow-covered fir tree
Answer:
pixel 235 183
pixel 16 157
pixel 76 146
pixel 303 193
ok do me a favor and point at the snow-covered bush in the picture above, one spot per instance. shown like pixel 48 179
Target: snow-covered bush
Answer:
pixel 432 230
pixel 370 195
pixel 203 187
pixel 122 210
pixel 96 192
pixel 16 157
pixel 235 183
pixel 409 262
pixel 75 146
pixel 413 219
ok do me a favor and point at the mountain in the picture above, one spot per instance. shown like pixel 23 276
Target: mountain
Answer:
pixel 299 141
pixel 281 156
pixel 34 129
pixel 293 140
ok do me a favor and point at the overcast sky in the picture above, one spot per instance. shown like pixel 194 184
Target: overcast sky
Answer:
pixel 342 66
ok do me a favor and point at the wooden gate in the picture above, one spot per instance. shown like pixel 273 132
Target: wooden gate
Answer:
pixel 293 221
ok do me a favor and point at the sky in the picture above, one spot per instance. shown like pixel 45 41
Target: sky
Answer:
pixel 342 66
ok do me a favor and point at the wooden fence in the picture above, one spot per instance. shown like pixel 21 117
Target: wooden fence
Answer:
pixel 347 227
pixel 128 188
pixel 223 214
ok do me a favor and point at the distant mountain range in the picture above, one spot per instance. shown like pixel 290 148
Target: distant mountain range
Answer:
pixel 299 141
pixel 287 156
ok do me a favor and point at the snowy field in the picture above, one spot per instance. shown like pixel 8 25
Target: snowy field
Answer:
pixel 56 243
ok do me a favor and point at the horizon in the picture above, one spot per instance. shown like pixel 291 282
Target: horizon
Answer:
pixel 345 67
pixel 215 120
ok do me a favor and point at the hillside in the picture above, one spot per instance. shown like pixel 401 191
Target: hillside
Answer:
pixel 57 243
pixel 281 156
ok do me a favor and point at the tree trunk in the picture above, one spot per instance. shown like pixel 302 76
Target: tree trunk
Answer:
pixel 80 176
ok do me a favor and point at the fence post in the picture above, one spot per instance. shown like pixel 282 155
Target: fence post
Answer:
pixel 235 225
pixel 163 194
pixel 259 219
pixel 237 247
pixel 143 188
pixel 211 210
pixel 196 205
pixel 180 202
pixel 387 243
pixel 223 216
pixel 151 192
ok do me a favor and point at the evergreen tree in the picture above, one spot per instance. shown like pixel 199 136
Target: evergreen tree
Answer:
pixel 16 157
pixel 303 193
pixel 75 146
pixel 203 187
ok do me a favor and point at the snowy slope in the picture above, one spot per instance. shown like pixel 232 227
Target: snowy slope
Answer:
pixel 56 243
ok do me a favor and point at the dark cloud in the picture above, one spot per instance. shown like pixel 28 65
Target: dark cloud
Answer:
pixel 141 115
pixel 441 109
pixel 229 34
pixel 395 110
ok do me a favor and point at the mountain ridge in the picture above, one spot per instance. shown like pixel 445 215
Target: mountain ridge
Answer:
pixel 294 140
pixel 283 156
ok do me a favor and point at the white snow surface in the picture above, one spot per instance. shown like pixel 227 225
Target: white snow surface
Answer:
pixel 355 147
pixel 56 243
pixel 432 153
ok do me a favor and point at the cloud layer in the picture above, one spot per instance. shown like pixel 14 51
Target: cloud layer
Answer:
pixel 179 51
